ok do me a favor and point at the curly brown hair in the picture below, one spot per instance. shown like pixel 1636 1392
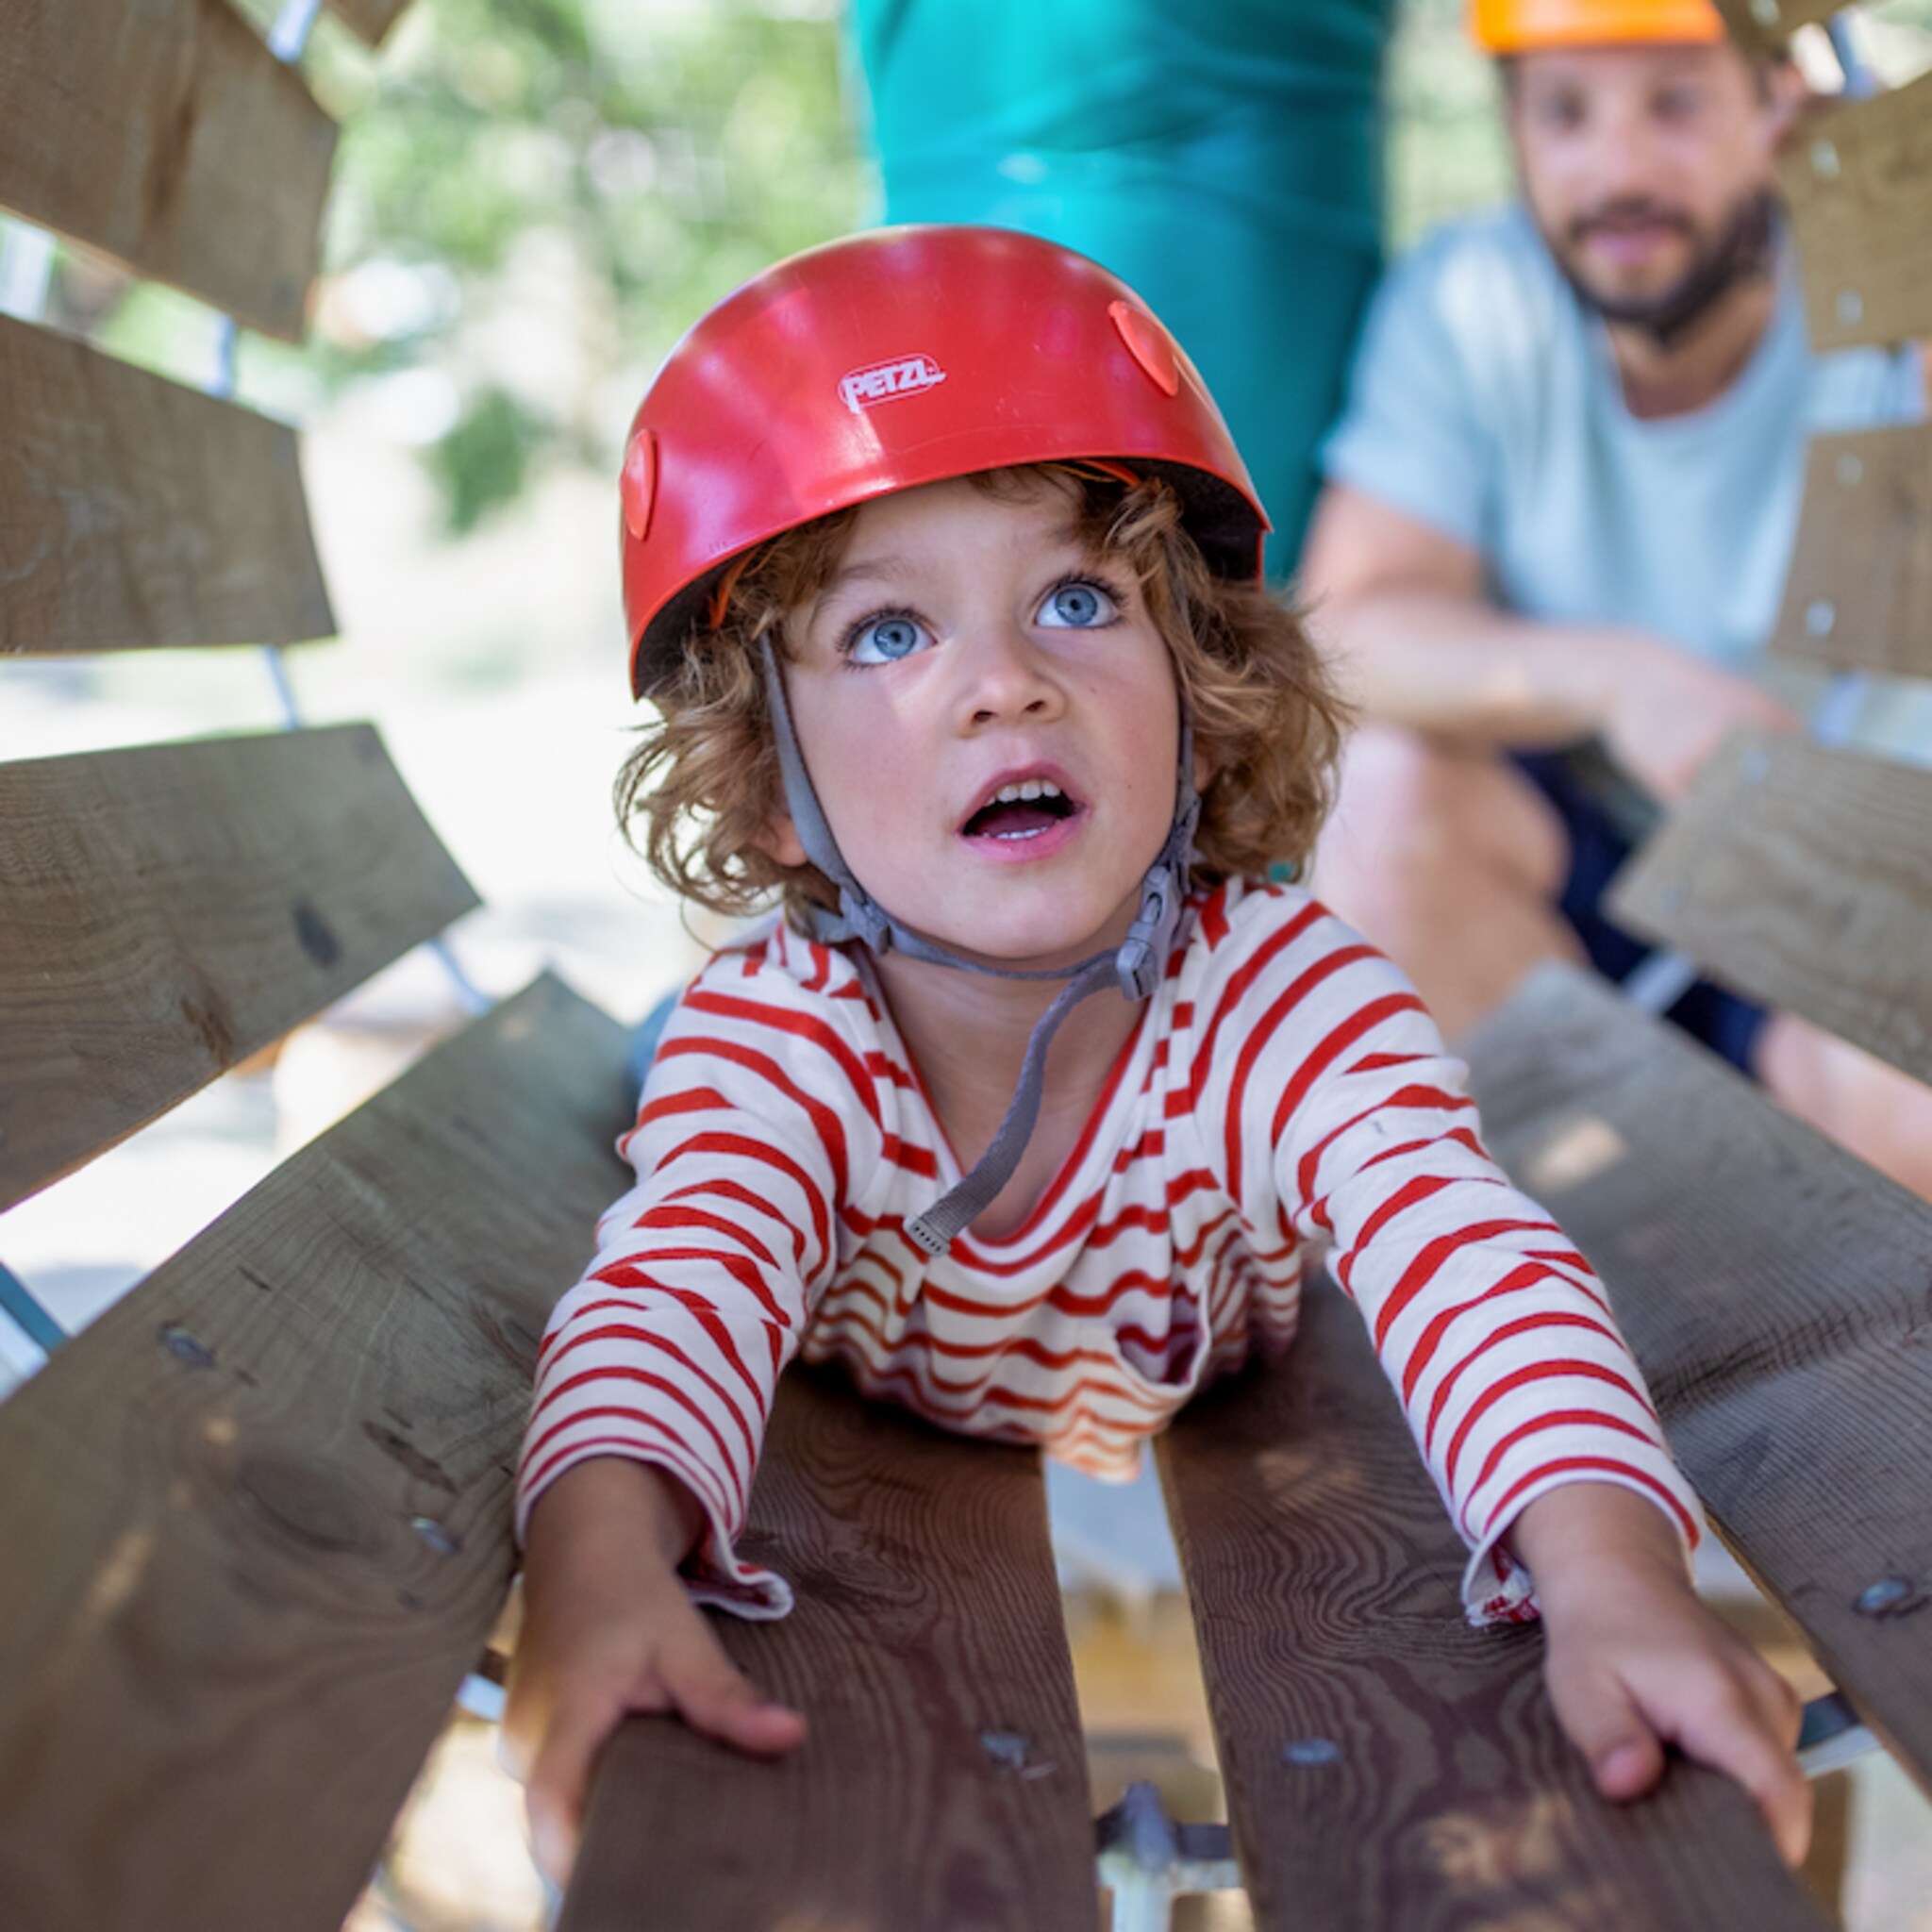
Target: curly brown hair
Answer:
pixel 703 783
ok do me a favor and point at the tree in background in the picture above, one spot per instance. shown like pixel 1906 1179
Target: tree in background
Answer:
pixel 534 197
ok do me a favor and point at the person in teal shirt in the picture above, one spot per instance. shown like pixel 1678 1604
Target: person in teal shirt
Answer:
pixel 1222 156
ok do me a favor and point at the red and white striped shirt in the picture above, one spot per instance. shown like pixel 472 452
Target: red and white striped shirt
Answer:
pixel 1283 1091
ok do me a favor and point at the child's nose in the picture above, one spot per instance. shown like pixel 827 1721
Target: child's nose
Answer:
pixel 1008 678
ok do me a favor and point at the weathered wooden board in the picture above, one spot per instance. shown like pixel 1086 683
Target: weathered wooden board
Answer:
pixel 1765 23
pixel 1858 184
pixel 134 511
pixel 944 1782
pixel 168 136
pixel 370 19
pixel 257 1519
pixel 1779 1297
pixel 1803 877
pixel 1388 1768
pixel 167 909
pixel 1858 595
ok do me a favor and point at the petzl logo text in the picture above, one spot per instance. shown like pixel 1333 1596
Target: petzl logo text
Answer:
pixel 882 381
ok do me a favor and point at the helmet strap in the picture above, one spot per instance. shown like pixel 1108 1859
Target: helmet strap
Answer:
pixel 1135 967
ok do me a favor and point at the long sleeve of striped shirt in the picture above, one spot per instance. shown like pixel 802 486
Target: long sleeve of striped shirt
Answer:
pixel 1494 1331
pixel 1284 1096
pixel 669 1348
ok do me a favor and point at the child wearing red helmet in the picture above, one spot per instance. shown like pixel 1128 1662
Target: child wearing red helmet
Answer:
pixel 1031 1104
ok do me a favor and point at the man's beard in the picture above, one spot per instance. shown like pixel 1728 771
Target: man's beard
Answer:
pixel 1741 252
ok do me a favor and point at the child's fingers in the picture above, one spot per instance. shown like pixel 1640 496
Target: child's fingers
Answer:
pixel 714 1696
pixel 553 1795
pixel 558 1781
pixel 1748 1731
pixel 1743 1725
pixel 1606 1724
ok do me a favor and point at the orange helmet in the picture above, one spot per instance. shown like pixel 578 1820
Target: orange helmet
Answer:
pixel 1528 26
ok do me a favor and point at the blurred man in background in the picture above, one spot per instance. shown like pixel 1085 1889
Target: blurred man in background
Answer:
pixel 1222 156
pixel 1559 511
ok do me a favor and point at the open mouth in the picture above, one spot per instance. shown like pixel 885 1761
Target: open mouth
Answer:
pixel 1020 811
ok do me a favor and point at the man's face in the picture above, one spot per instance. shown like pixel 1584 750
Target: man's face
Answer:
pixel 1648 169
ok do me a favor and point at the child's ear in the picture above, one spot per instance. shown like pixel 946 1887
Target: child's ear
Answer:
pixel 779 841
pixel 1203 768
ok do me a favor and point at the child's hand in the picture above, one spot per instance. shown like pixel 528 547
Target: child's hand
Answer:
pixel 608 1630
pixel 1637 1663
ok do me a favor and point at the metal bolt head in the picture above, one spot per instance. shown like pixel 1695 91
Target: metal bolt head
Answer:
pixel 183 1347
pixel 1851 470
pixel 1850 306
pixel 1891 1596
pixel 1311 1751
pixel 436 1536
pixel 1824 160
pixel 1764 12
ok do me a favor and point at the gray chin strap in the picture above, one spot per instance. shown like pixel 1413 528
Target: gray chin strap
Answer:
pixel 1136 967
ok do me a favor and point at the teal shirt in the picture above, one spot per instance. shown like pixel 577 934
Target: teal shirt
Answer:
pixel 1222 156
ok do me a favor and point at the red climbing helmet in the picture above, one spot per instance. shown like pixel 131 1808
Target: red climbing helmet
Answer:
pixel 896 357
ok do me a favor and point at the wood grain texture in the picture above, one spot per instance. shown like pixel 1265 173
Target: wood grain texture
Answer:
pixel 944 1783
pixel 167 135
pixel 1858 595
pixel 1324 1579
pixel 1803 877
pixel 370 20
pixel 134 511
pixel 1858 184
pixel 165 911
pixel 1761 25
pixel 1779 1297
pixel 257 1519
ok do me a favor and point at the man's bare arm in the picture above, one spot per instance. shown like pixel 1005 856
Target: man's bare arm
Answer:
pixel 1404 611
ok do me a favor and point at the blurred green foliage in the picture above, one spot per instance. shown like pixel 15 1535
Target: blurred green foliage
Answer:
pixel 573 182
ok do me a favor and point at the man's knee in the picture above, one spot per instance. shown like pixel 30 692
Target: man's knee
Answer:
pixel 1882 1115
pixel 1414 817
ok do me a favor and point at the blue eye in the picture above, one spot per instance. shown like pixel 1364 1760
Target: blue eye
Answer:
pixel 1078 607
pixel 886 639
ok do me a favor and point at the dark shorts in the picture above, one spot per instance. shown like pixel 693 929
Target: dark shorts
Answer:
pixel 1598 846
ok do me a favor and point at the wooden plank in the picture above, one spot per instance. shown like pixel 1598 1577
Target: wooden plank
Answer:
pixel 370 20
pixel 167 135
pixel 944 1782
pixel 1388 1769
pixel 1760 25
pixel 1779 1296
pixel 166 910
pixel 1858 184
pixel 134 511
pixel 1858 595
pixel 258 1518
pixel 1803 877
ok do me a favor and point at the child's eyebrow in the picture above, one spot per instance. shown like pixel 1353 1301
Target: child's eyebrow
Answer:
pixel 872 570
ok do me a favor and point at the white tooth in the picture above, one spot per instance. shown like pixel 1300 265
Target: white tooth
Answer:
pixel 1030 789
pixel 1007 794
pixel 1049 789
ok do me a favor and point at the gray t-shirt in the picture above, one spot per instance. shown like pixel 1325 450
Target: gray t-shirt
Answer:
pixel 1484 400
